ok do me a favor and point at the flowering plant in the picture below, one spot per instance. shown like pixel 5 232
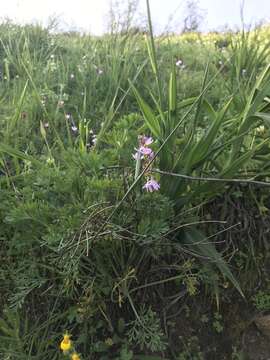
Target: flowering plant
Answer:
pixel 144 155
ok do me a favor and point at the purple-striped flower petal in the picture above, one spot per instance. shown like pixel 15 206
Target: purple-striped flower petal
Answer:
pixel 146 140
pixel 145 150
pixel 151 185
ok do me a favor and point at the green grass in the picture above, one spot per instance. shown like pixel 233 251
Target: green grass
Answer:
pixel 83 247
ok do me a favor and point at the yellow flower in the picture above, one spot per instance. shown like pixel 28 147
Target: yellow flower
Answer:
pixel 75 356
pixel 66 343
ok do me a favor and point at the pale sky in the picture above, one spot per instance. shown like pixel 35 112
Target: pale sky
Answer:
pixel 90 15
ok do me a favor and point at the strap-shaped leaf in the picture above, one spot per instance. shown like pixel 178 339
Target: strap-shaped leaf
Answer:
pixel 148 114
pixel 195 240
pixel 201 149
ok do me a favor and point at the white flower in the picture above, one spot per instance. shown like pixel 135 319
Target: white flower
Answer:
pixel 260 130
pixel 50 161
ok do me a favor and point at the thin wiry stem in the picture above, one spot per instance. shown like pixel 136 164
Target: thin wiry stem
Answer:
pixel 197 178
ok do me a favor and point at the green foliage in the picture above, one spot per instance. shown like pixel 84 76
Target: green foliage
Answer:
pixel 261 301
pixel 192 350
pixel 224 147
pixel 83 246
pixel 217 323
pixel 145 331
pixel 22 340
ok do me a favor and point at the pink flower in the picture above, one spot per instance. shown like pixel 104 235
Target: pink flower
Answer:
pixel 151 185
pixel 145 151
pixel 146 141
